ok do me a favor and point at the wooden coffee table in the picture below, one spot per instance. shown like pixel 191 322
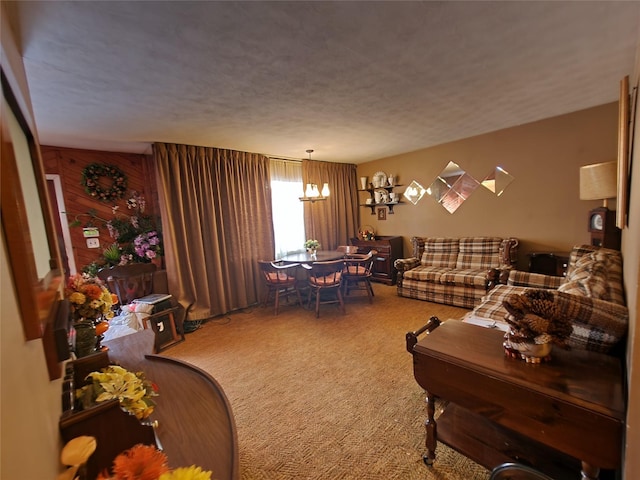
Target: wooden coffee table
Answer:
pixel 563 416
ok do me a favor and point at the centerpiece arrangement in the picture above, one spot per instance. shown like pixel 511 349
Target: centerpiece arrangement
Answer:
pixel 132 390
pixel 312 246
pixel 536 324
pixel 91 308
pixel 366 232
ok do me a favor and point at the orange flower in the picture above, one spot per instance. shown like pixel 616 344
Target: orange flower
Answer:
pixel 94 292
pixel 140 462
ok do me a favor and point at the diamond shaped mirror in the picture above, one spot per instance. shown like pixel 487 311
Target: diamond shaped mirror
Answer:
pixel 452 187
pixel 497 180
pixel 414 192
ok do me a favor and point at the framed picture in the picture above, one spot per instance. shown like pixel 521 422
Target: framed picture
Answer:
pixel 382 214
pixel 624 148
pixel 163 324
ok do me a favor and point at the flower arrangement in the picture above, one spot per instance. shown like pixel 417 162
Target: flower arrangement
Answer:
pixel 89 298
pixel 367 233
pixel 136 236
pixel 147 245
pixel 312 244
pixel 132 390
pixel 146 462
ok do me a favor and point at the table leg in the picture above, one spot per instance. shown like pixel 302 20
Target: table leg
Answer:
pixel 589 472
pixel 432 431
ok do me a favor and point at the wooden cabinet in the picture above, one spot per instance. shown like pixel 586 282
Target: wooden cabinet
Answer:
pixel 389 249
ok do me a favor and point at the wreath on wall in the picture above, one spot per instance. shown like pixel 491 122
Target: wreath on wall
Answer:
pixel 91 180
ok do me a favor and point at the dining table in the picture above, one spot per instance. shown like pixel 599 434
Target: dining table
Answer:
pixel 307 258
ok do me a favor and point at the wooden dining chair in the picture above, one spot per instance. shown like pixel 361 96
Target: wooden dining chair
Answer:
pixel 325 283
pixel 280 281
pixel 347 249
pixel 129 282
pixel 357 273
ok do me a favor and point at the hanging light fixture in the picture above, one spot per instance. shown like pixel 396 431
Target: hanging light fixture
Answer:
pixel 311 192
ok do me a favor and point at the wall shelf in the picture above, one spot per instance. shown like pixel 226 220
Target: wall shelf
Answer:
pixel 371 193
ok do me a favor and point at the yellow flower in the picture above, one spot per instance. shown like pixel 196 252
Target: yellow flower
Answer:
pixel 187 473
pixel 77 298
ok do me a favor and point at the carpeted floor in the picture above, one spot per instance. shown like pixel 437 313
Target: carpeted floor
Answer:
pixel 326 398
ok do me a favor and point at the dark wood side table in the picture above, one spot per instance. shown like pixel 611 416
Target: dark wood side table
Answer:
pixel 558 416
pixel 389 249
pixel 549 263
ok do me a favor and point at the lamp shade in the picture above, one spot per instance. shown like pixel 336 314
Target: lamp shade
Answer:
pixel 598 181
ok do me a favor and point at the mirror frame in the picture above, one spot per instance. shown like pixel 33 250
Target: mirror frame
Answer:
pixel 38 297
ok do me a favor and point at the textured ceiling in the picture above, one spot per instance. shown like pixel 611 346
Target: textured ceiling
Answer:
pixel 355 81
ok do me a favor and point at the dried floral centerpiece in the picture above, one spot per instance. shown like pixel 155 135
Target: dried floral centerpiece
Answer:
pixel 536 324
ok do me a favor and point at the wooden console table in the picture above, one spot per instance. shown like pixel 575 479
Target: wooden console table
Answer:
pixel 195 424
pixel 551 415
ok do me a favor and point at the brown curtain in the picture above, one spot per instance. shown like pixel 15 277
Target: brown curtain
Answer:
pixel 332 222
pixel 217 222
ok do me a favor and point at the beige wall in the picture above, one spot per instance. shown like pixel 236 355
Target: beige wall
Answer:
pixel 631 272
pixel 541 207
pixel 30 404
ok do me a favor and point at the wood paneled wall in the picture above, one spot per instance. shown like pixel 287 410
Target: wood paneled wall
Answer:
pixel 69 164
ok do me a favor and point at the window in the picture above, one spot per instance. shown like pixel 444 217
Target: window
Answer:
pixel 288 213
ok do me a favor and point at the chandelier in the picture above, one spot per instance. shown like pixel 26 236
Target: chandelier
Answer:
pixel 311 192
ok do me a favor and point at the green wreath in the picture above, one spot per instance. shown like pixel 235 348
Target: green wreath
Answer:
pixel 91 181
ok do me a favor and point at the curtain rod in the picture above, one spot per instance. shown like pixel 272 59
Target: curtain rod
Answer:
pixel 299 160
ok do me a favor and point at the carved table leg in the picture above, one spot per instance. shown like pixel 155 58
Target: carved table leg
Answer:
pixel 589 472
pixel 432 431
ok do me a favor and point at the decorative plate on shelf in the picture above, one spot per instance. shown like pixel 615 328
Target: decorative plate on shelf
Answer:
pixel 379 179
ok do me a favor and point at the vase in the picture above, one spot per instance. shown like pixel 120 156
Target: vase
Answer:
pixel 363 183
pixel 529 351
pixel 312 251
pixel 86 338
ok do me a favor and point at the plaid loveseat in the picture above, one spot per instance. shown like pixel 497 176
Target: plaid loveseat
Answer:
pixel 454 271
pixel 591 295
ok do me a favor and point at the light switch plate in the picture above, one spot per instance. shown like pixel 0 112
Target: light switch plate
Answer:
pixel 93 242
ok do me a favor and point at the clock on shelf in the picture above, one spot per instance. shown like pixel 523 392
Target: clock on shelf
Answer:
pixel 602 226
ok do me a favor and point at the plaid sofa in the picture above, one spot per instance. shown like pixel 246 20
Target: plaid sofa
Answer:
pixel 591 294
pixel 454 271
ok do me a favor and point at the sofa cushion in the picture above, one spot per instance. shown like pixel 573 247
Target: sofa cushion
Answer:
pixel 440 252
pixel 588 278
pixel 425 273
pixel 613 263
pixel 479 252
pixel 476 277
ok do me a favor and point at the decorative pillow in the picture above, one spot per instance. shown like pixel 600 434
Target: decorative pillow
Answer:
pixel 588 278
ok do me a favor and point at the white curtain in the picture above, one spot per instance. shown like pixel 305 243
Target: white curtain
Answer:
pixel 288 213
